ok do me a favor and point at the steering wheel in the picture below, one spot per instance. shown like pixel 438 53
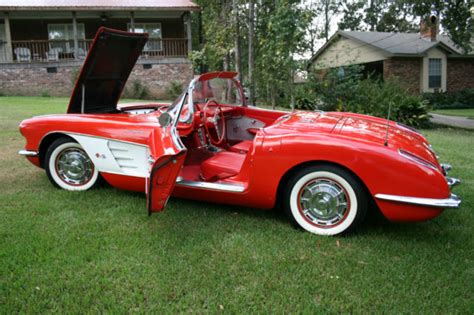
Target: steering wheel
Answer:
pixel 212 123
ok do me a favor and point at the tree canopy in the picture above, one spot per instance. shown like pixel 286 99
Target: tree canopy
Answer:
pixel 265 39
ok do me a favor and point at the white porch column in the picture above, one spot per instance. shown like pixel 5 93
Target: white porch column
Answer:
pixel 187 21
pixel 8 37
pixel 74 32
pixel 132 22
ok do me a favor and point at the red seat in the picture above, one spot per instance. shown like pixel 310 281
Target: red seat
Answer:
pixel 242 147
pixel 222 165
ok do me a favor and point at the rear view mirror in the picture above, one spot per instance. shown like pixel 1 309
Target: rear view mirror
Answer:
pixel 164 119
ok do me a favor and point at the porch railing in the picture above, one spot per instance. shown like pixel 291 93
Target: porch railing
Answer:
pixel 63 50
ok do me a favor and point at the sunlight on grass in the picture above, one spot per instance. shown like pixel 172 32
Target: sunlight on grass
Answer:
pixel 98 251
pixel 469 113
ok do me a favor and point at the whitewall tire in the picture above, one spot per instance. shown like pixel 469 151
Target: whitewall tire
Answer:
pixel 69 167
pixel 325 200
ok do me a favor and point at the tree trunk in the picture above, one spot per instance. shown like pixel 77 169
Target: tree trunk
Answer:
pixel 251 51
pixel 372 22
pixel 326 19
pixel 237 53
pixel 273 96
pixel 226 62
pixel 292 88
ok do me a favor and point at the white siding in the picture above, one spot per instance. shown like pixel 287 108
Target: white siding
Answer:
pixel 345 52
pixel 433 53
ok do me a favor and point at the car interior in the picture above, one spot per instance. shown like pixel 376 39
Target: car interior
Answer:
pixel 220 136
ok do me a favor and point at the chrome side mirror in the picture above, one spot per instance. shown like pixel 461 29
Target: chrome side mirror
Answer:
pixel 165 119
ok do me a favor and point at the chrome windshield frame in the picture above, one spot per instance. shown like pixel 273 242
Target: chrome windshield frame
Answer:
pixel 188 94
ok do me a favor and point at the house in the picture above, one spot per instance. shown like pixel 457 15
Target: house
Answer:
pixel 44 43
pixel 422 62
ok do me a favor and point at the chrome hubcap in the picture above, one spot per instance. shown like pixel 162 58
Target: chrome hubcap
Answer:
pixel 74 167
pixel 324 202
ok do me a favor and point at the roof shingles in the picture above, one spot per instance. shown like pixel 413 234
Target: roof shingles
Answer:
pixel 400 43
pixel 7 5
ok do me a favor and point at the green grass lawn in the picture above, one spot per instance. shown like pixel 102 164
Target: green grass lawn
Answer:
pixel 469 113
pixel 98 251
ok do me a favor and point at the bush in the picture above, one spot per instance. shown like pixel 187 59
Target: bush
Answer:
pixel 45 93
pixel 74 75
pixel 138 90
pixel 174 89
pixel 349 91
pixel 451 100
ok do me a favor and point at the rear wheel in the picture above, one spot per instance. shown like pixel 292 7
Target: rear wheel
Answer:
pixel 69 167
pixel 325 200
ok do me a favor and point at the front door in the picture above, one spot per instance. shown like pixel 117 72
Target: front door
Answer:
pixel 167 155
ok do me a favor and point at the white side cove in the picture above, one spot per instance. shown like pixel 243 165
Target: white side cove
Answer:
pixel 115 157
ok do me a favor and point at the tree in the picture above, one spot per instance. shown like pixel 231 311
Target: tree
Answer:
pixel 237 50
pixel 377 15
pixel 352 16
pixel 282 25
pixel 329 9
pixel 251 51
pixel 454 16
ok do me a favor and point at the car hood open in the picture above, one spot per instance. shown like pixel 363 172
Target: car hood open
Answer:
pixel 105 71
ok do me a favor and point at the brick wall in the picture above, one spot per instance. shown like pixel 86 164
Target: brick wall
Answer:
pixel 460 74
pixel 158 78
pixel 34 79
pixel 407 72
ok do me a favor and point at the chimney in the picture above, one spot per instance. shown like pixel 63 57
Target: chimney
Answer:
pixel 429 28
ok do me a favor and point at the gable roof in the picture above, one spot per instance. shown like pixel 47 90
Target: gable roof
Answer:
pixel 82 5
pixel 395 44
pixel 401 43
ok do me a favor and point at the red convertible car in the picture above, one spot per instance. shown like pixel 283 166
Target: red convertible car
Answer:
pixel 323 168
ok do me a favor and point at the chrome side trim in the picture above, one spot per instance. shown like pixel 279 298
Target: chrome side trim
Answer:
pixel 87 135
pixel 452 202
pixel 414 158
pixel 452 181
pixel 210 186
pixel 27 153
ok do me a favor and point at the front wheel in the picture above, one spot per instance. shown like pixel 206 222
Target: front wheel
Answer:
pixel 325 200
pixel 69 167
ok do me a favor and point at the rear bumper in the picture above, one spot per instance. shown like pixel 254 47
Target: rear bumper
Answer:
pixel 452 202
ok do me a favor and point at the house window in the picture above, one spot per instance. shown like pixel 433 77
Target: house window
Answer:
pixel 61 36
pixel 434 73
pixel 154 32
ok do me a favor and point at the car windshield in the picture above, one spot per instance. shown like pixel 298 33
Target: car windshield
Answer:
pixel 221 90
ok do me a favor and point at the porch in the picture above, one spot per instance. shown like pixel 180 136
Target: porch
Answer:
pixel 55 37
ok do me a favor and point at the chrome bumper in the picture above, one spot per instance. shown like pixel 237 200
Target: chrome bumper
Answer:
pixel 27 153
pixel 452 202
pixel 450 180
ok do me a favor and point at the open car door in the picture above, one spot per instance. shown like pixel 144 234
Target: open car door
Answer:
pixel 167 156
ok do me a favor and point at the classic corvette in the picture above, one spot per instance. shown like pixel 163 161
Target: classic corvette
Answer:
pixel 322 168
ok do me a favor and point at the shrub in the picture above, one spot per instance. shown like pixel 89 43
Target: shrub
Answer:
pixel 74 75
pixel 451 100
pixel 349 91
pixel 138 90
pixel 174 89
pixel 45 93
